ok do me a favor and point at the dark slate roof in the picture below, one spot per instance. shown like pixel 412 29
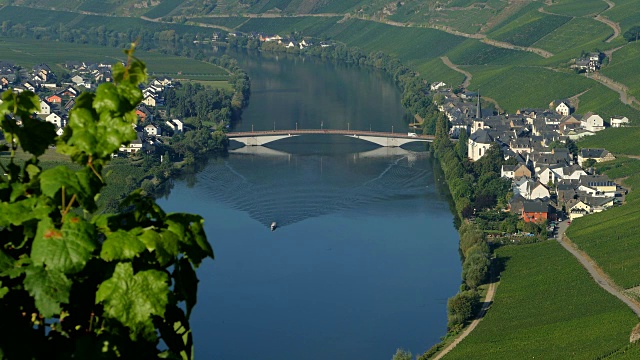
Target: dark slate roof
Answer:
pixel 535 206
pixel 481 136
pixel 593 153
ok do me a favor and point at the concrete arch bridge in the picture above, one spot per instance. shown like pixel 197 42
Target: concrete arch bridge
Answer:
pixel 386 139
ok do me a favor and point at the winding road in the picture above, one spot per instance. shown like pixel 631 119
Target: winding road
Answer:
pixel 452 66
pixel 594 270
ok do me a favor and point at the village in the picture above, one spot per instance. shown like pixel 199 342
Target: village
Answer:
pixel 57 97
pixel 550 180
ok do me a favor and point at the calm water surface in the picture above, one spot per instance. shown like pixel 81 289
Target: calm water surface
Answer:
pixel 365 254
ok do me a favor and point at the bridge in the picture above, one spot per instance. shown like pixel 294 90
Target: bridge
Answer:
pixel 386 139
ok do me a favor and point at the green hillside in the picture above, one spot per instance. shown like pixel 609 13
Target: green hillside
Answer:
pixel 547 306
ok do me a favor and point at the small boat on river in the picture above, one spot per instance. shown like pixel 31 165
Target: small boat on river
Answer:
pixel 274 225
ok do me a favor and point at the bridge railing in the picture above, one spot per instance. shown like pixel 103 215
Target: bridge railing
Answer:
pixel 328 131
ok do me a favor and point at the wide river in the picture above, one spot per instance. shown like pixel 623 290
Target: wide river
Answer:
pixel 365 253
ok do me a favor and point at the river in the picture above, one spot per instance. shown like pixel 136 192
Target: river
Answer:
pixel 365 253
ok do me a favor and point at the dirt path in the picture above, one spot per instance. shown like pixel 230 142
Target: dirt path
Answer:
pixel 619 88
pixel 492 42
pixel 467 75
pixel 612 24
pixel 488 300
pixel 494 102
pixel 594 270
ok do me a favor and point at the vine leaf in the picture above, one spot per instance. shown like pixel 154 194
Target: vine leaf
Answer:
pixel 21 211
pixel 121 245
pixel 189 229
pixel 186 283
pixel 50 288
pixel 3 290
pixel 164 244
pixel 67 249
pixel 6 261
pixel 131 299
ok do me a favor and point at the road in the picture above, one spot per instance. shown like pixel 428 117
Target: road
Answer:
pixel 452 66
pixel 488 300
pixel 594 270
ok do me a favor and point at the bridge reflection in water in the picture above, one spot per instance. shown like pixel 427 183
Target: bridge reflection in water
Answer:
pixel 276 185
pixel 387 139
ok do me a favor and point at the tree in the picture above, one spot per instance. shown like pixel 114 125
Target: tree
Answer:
pixel 632 34
pixel 402 354
pixel 83 285
pixel 462 307
pixel 588 163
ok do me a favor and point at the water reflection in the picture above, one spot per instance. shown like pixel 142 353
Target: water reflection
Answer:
pixel 286 186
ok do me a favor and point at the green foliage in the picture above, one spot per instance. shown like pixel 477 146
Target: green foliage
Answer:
pixel 632 34
pixel 625 68
pixel 611 237
pixel 402 354
pixel 529 28
pixel 577 8
pixel 163 9
pixel 542 305
pixel 76 284
pixel 615 140
pixel 462 307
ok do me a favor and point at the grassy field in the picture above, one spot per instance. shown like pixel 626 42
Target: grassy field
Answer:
pixel 413 46
pixel 577 7
pixel 611 237
pixel 515 87
pixel 28 52
pixel 618 141
pixel 626 12
pixel 435 70
pixel 473 52
pixel 574 36
pixel 230 22
pixel 306 25
pixel 548 307
pixel 625 68
pixel 163 9
pixel 530 28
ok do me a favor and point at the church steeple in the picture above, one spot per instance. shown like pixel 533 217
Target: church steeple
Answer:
pixel 478 110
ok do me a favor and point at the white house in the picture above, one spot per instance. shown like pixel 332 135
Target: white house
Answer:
pixel 133 147
pixel 152 130
pixel 55 119
pixel 592 122
pixel 175 125
pixel 563 109
pixel 539 191
pixel 45 108
pixel 149 100
pixel 478 144
pixel 437 85
pixel 619 121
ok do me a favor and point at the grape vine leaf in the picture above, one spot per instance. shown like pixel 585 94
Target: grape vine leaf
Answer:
pixel 163 244
pixel 121 245
pixel 186 283
pixel 131 299
pixel 66 249
pixel 50 288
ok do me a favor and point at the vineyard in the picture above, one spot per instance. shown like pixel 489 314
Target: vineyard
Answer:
pixel 546 301
pixel 617 141
pixel 625 68
pixel 163 9
pixel 611 237
pixel 530 28
pixel 577 8
pixel 574 36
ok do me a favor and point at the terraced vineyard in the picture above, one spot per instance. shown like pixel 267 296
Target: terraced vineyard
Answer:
pixel 625 68
pixel 547 302
pixel 577 7
pixel 618 141
pixel 611 237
